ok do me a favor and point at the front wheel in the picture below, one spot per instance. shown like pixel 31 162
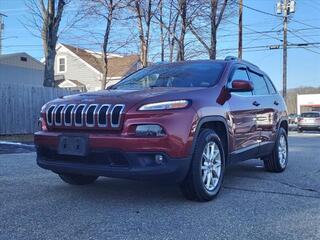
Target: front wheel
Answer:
pixel 277 161
pixel 204 179
pixel 76 179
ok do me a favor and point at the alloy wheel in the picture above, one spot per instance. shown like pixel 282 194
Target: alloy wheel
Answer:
pixel 211 166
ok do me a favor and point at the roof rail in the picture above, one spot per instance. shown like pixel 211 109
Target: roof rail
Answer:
pixel 233 58
pixel 230 58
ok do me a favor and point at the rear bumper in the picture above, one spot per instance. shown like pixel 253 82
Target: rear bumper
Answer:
pixel 116 163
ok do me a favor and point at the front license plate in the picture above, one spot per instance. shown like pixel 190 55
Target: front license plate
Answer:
pixel 73 145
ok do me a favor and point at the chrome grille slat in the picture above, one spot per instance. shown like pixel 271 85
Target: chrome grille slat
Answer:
pixel 50 123
pixel 85 115
pixel 116 124
pixel 108 106
pixel 72 106
pixel 58 112
pixel 81 115
pixel 93 115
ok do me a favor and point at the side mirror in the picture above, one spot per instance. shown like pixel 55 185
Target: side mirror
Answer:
pixel 241 86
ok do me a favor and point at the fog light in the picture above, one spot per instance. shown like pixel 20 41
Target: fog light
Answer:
pixel 159 159
pixel 150 130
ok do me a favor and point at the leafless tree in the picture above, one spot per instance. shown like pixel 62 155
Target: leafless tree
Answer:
pixel 214 17
pixel 144 11
pixel 161 29
pixel 46 17
pixel 105 9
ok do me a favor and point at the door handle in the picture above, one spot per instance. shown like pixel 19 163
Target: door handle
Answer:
pixel 276 103
pixel 255 103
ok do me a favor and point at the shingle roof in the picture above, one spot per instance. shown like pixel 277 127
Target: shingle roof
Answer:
pixel 117 66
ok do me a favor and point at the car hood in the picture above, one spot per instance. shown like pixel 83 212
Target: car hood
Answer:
pixel 128 97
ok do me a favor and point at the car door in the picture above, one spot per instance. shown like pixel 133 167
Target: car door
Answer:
pixel 266 116
pixel 242 115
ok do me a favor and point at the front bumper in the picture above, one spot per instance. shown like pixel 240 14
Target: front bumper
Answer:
pixel 115 163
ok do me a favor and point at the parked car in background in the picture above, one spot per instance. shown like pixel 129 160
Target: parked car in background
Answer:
pixel 183 122
pixel 309 121
pixel 293 118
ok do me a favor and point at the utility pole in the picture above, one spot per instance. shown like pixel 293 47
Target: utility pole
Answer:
pixel 285 50
pixel 1 29
pixel 240 31
pixel 285 7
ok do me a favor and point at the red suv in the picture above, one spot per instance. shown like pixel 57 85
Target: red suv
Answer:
pixel 183 122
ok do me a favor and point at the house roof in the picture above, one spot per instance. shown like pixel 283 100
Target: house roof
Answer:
pixel 4 58
pixel 117 66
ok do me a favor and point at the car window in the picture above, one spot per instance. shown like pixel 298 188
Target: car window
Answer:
pixel 260 86
pixel 187 74
pixel 271 88
pixel 240 74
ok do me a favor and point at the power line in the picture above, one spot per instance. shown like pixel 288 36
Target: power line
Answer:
pixel 274 15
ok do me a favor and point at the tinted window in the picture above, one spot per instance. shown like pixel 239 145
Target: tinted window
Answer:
pixel 272 89
pixel 260 86
pixel 241 74
pixel 310 115
pixel 188 74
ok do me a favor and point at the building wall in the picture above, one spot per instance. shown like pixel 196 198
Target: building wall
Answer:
pixel 14 70
pixel 21 75
pixel 76 69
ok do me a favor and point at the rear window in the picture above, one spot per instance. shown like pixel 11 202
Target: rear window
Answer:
pixel 188 74
pixel 310 115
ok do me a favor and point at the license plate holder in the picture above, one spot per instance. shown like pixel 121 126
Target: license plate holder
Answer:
pixel 73 145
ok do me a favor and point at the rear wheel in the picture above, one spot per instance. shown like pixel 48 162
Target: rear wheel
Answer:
pixel 277 161
pixel 76 179
pixel 205 176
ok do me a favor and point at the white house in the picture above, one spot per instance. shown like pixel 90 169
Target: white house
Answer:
pixel 22 69
pixel 81 69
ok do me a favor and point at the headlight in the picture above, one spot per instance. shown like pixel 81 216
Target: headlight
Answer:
pixel 176 104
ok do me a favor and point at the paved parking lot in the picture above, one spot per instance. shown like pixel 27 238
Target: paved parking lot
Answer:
pixel 253 204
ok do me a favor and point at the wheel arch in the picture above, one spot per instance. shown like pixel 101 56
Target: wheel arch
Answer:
pixel 219 125
pixel 283 122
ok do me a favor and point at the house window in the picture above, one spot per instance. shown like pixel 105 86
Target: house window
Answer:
pixel 62 64
pixel 23 59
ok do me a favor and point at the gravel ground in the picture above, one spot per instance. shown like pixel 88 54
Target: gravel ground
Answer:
pixel 253 204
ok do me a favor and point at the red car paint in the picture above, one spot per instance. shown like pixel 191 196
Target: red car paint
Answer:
pixel 251 122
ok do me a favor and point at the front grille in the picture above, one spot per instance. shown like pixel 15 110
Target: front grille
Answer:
pixel 85 115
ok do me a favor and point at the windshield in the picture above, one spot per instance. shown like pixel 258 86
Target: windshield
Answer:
pixel 187 74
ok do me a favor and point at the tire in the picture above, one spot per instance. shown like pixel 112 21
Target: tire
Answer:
pixel 277 161
pixel 194 187
pixel 75 179
pixel 300 130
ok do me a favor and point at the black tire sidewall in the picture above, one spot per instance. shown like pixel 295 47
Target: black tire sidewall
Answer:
pixel 282 132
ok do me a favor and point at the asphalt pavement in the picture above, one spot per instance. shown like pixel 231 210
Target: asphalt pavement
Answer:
pixel 253 204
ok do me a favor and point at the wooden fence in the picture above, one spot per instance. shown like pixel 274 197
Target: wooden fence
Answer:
pixel 20 106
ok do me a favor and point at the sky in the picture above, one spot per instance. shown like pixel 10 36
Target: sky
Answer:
pixel 304 26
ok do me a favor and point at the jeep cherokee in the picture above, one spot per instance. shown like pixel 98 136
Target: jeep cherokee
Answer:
pixel 183 122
